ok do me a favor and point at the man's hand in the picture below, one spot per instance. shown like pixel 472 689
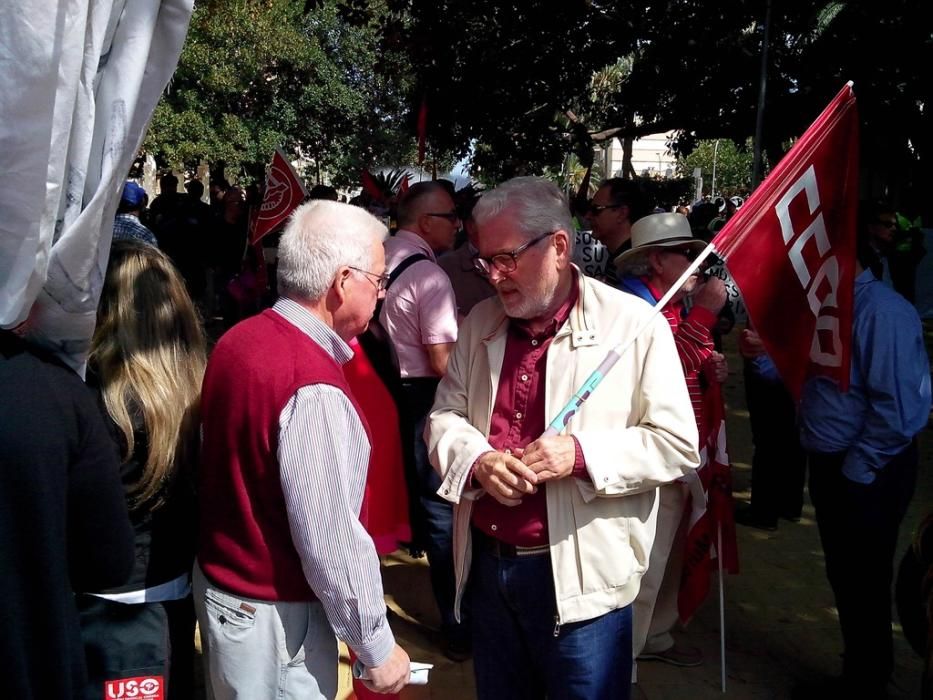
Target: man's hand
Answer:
pixel 391 675
pixel 750 344
pixel 717 368
pixel 551 456
pixel 711 295
pixel 504 477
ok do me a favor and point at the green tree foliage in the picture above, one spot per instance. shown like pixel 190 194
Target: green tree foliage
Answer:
pixel 520 85
pixel 317 80
pixel 733 166
pixel 571 174
pixel 518 77
pixel 498 73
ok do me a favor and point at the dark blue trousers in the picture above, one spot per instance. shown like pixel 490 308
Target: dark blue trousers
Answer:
pixel 432 516
pixel 519 651
pixel 858 528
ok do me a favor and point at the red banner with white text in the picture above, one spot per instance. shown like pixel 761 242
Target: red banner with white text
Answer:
pixel 422 128
pixel 791 249
pixel 283 193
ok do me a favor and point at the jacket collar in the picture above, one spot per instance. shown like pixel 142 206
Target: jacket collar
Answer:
pixel 581 326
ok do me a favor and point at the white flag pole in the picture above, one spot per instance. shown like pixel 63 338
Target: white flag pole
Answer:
pixel 567 412
pixel 722 609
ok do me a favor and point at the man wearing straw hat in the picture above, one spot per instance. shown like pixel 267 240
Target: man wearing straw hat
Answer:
pixel 554 531
pixel 662 249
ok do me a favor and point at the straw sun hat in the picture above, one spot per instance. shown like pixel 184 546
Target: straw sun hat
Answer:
pixel 659 231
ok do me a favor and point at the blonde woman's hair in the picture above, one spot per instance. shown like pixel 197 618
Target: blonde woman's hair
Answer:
pixel 149 353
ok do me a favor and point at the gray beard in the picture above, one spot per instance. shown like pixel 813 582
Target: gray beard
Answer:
pixel 528 308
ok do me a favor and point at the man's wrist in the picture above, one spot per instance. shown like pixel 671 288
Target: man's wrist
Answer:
pixel 472 481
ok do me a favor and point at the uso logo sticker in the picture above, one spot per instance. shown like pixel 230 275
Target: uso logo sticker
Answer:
pixel 140 687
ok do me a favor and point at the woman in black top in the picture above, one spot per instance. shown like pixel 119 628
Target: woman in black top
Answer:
pixel 147 360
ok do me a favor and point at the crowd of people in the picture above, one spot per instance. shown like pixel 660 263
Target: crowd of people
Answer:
pixel 393 388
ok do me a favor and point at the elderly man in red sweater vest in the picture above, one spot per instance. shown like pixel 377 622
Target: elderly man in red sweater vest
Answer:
pixel 283 561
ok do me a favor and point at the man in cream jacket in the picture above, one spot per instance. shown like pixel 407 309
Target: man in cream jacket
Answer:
pixel 554 532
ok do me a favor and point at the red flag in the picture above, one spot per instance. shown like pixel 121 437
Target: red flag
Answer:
pixel 422 129
pixel 710 510
pixel 371 187
pixel 791 249
pixel 283 193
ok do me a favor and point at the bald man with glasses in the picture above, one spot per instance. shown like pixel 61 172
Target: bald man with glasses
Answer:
pixel 419 315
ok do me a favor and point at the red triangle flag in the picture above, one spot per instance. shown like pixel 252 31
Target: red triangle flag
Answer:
pixel 422 129
pixel 371 187
pixel 283 193
pixel 710 510
pixel 791 249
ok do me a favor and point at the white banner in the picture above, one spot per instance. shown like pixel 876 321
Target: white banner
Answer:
pixel 589 254
pixel 79 80
pixel 734 296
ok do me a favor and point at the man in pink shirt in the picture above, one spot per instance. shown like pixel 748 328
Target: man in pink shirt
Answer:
pixel 420 316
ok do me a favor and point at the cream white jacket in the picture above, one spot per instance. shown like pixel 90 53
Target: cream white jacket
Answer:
pixel 637 431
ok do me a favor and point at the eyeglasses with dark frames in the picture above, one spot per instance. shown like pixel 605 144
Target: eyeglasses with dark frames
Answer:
pixel 690 253
pixel 887 223
pixel 598 208
pixel 451 216
pixel 506 262
pixel 381 281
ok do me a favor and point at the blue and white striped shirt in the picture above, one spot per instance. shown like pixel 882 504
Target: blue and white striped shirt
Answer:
pixel 323 459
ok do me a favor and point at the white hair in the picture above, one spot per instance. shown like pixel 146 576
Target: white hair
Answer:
pixel 539 206
pixel 321 236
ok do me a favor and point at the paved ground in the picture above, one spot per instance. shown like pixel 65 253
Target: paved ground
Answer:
pixel 781 625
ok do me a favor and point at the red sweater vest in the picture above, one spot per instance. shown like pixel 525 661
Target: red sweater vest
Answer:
pixel 245 543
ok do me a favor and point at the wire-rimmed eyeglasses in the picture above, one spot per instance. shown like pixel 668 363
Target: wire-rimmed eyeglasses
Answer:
pixel 381 281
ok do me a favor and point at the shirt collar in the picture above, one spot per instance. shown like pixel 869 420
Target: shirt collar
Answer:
pixel 658 294
pixel 866 277
pixel 414 239
pixel 314 328
pixel 655 292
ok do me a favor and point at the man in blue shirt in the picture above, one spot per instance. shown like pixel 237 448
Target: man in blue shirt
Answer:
pixel 863 470
pixel 126 225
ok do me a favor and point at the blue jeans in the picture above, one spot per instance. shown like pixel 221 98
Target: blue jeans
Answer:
pixel 433 527
pixel 518 650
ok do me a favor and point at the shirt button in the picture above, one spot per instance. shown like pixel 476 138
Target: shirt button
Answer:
pixel 518 415
pixel 534 343
pixel 493 528
pixel 524 377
